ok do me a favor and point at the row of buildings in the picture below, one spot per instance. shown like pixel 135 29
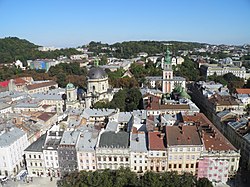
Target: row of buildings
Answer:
pixel 229 112
pixel 192 144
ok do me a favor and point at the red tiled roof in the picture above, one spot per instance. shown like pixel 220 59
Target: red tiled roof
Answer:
pixel 19 81
pixel 243 90
pixel 183 135
pixel 40 85
pixel 46 116
pixel 155 104
pixel 156 142
pixel 4 83
pixel 211 136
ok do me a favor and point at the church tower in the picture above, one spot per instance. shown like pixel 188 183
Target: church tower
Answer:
pixel 167 74
pixel 71 92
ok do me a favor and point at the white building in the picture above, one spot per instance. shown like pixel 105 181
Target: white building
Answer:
pixel 209 70
pixel 112 150
pixel 5 108
pixel 139 152
pixel 34 157
pixel 50 153
pixel 13 142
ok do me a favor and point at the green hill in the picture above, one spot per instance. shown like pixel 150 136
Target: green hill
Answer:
pixel 12 48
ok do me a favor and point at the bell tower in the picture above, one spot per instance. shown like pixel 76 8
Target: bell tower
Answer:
pixel 167 73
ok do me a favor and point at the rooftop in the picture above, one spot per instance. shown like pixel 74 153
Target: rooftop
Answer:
pixel 41 85
pixel 114 140
pixel 9 136
pixel 138 142
pixel 156 141
pixel 212 138
pixel 37 145
pixel 182 135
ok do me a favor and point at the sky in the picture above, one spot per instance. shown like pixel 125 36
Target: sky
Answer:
pixel 72 23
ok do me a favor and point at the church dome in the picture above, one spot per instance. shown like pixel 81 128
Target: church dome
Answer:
pixel 70 86
pixel 96 73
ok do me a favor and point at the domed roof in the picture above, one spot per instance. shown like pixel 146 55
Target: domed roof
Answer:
pixel 96 73
pixel 70 86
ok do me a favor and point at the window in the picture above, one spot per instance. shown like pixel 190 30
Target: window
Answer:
pixel 135 168
pixel 174 165
pixel 163 154
pixel 87 161
pixel 151 168
pixel 163 168
pixel 39 156
pixel 110 158
pixel 170 157
pixel 180 157
pixel 126 159
pixel 140 161
pixel 233 159
pixel 135 161
pixel 187 165
pixel 170 166
pixel 187 157
pixel 99 158
pixel 180 165
pixel 193 157
pixel 31 164
pixel 34 156
pixel 232 168
pixel 146 167
pixel 192 165
pixel 135 156
pixel 51 158
pixel 93 167
pixel 115 159
pixel 40 164
pixel 121 158
pixel 30 156
pixel 81 161
pixel 35 164
pixel 104 158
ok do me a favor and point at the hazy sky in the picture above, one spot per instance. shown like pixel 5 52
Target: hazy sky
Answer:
pixel 64 23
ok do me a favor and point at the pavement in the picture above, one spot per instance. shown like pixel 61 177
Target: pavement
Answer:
pixel 37 182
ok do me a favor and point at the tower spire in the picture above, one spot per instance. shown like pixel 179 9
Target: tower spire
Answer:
pixel 96 63
pixel 167 57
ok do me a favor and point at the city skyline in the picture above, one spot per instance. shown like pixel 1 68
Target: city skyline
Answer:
pixel 74 23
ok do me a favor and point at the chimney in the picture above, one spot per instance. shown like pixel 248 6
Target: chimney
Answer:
pixel 161 135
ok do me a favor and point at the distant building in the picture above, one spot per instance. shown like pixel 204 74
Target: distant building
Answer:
pixel 209 70
pixel 47 48
pixel 43 64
